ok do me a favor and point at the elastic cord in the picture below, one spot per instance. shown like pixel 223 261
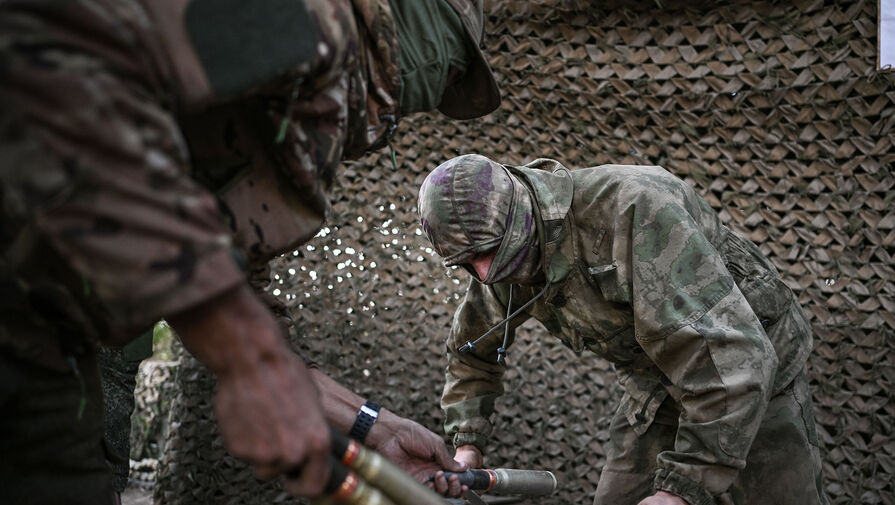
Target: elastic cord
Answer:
pixel 293 96
pixel 470 346
pixel 502 350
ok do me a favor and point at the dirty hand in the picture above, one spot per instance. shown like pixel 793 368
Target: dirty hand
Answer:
pixel 663 498
pixel 266 405
pixel 417 451
pixel 470 455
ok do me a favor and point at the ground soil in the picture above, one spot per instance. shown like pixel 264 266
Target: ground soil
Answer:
pixel 136 496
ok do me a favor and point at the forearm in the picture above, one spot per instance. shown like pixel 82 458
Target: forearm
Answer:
pixel 259 377
pixel 468 402
pixel 340 406
pixel 233 333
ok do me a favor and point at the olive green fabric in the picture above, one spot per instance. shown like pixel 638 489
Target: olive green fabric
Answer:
pixel 783 466
pixel 432 41
pixel 51 448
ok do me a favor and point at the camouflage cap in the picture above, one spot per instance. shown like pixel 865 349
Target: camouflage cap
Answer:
pixel 475 93
pixel 464 205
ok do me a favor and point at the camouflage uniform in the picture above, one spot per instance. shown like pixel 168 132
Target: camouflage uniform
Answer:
pixel 707 341
pixel 148 151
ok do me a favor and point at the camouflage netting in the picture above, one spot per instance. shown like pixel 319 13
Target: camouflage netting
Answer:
pixel 153 393
pixel 773 110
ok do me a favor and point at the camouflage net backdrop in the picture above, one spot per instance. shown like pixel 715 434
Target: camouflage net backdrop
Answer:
pixel 774 111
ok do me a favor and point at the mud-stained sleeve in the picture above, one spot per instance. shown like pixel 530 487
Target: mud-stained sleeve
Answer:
pixel 473 380
pixel 95 178
pixel 693 322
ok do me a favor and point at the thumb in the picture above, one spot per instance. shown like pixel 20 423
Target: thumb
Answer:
pixel 446 460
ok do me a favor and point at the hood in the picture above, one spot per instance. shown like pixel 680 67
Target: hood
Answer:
pixel 470 205
pixel 550 184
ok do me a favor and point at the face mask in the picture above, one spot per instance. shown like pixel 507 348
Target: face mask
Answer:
pixel 517 257
pixel 471 206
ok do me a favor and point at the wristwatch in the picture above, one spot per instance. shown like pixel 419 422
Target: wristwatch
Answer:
pixel 366 416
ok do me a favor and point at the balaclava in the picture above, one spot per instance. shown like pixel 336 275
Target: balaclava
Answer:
pixel 470 205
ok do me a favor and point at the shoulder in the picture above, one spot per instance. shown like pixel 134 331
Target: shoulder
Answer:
pixel 622 184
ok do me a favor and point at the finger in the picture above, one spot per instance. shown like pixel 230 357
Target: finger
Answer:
pixel 266 472
pixel 441 484
pixel 311 480
pixel 455 489
pixel 315 469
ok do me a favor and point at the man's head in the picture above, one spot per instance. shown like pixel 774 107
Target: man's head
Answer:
pixel 474 210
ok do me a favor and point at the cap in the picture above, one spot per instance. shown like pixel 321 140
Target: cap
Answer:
pixel 475 93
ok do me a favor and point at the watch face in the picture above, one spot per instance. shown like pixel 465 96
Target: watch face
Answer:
pixel 370 412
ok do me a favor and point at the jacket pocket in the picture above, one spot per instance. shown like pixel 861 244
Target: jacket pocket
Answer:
pixel 769 297
pixel 642 398
pixel 758 280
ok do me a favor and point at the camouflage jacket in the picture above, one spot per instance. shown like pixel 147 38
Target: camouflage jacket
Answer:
pixel 641 272
pixel 164 152
pixel 270 148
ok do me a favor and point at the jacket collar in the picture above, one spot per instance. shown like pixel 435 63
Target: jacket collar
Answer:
pixel 551 188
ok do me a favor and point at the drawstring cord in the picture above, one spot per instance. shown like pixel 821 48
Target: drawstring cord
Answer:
pixel 83 403
pixel 293 97
pixel 502 350
pixel 390 122
pixel 469 347
pixel 391 127
pixel 394 157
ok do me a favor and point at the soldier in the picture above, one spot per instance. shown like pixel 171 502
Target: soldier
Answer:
pixel 709 344
pixel 151 153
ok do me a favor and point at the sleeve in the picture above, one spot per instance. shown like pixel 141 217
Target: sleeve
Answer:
pixel 107 218
pixel 473 380
pixel 693 322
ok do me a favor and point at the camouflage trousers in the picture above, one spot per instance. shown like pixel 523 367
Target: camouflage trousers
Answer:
pixel 783 465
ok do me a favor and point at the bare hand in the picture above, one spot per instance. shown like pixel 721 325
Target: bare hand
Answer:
pixel 469 454
pixel 269 417
pixel 266 404
pixel 663 498
pixel 422 454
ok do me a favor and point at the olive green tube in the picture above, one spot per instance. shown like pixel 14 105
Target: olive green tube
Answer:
pixel 524 482
pixel 509 481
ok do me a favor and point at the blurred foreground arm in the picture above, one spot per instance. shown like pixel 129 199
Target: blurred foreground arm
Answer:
pixel 260 377
pixel 405 443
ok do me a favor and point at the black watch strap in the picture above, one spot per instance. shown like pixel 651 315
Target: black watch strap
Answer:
pixel 366 416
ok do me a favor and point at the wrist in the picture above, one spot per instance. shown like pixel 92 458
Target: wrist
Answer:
pixel 366 418
pixel 387 427
pixel 233 334
pixel 477 440
pixel 682 487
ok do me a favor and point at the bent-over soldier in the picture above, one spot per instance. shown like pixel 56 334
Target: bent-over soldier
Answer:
pixel 708 342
